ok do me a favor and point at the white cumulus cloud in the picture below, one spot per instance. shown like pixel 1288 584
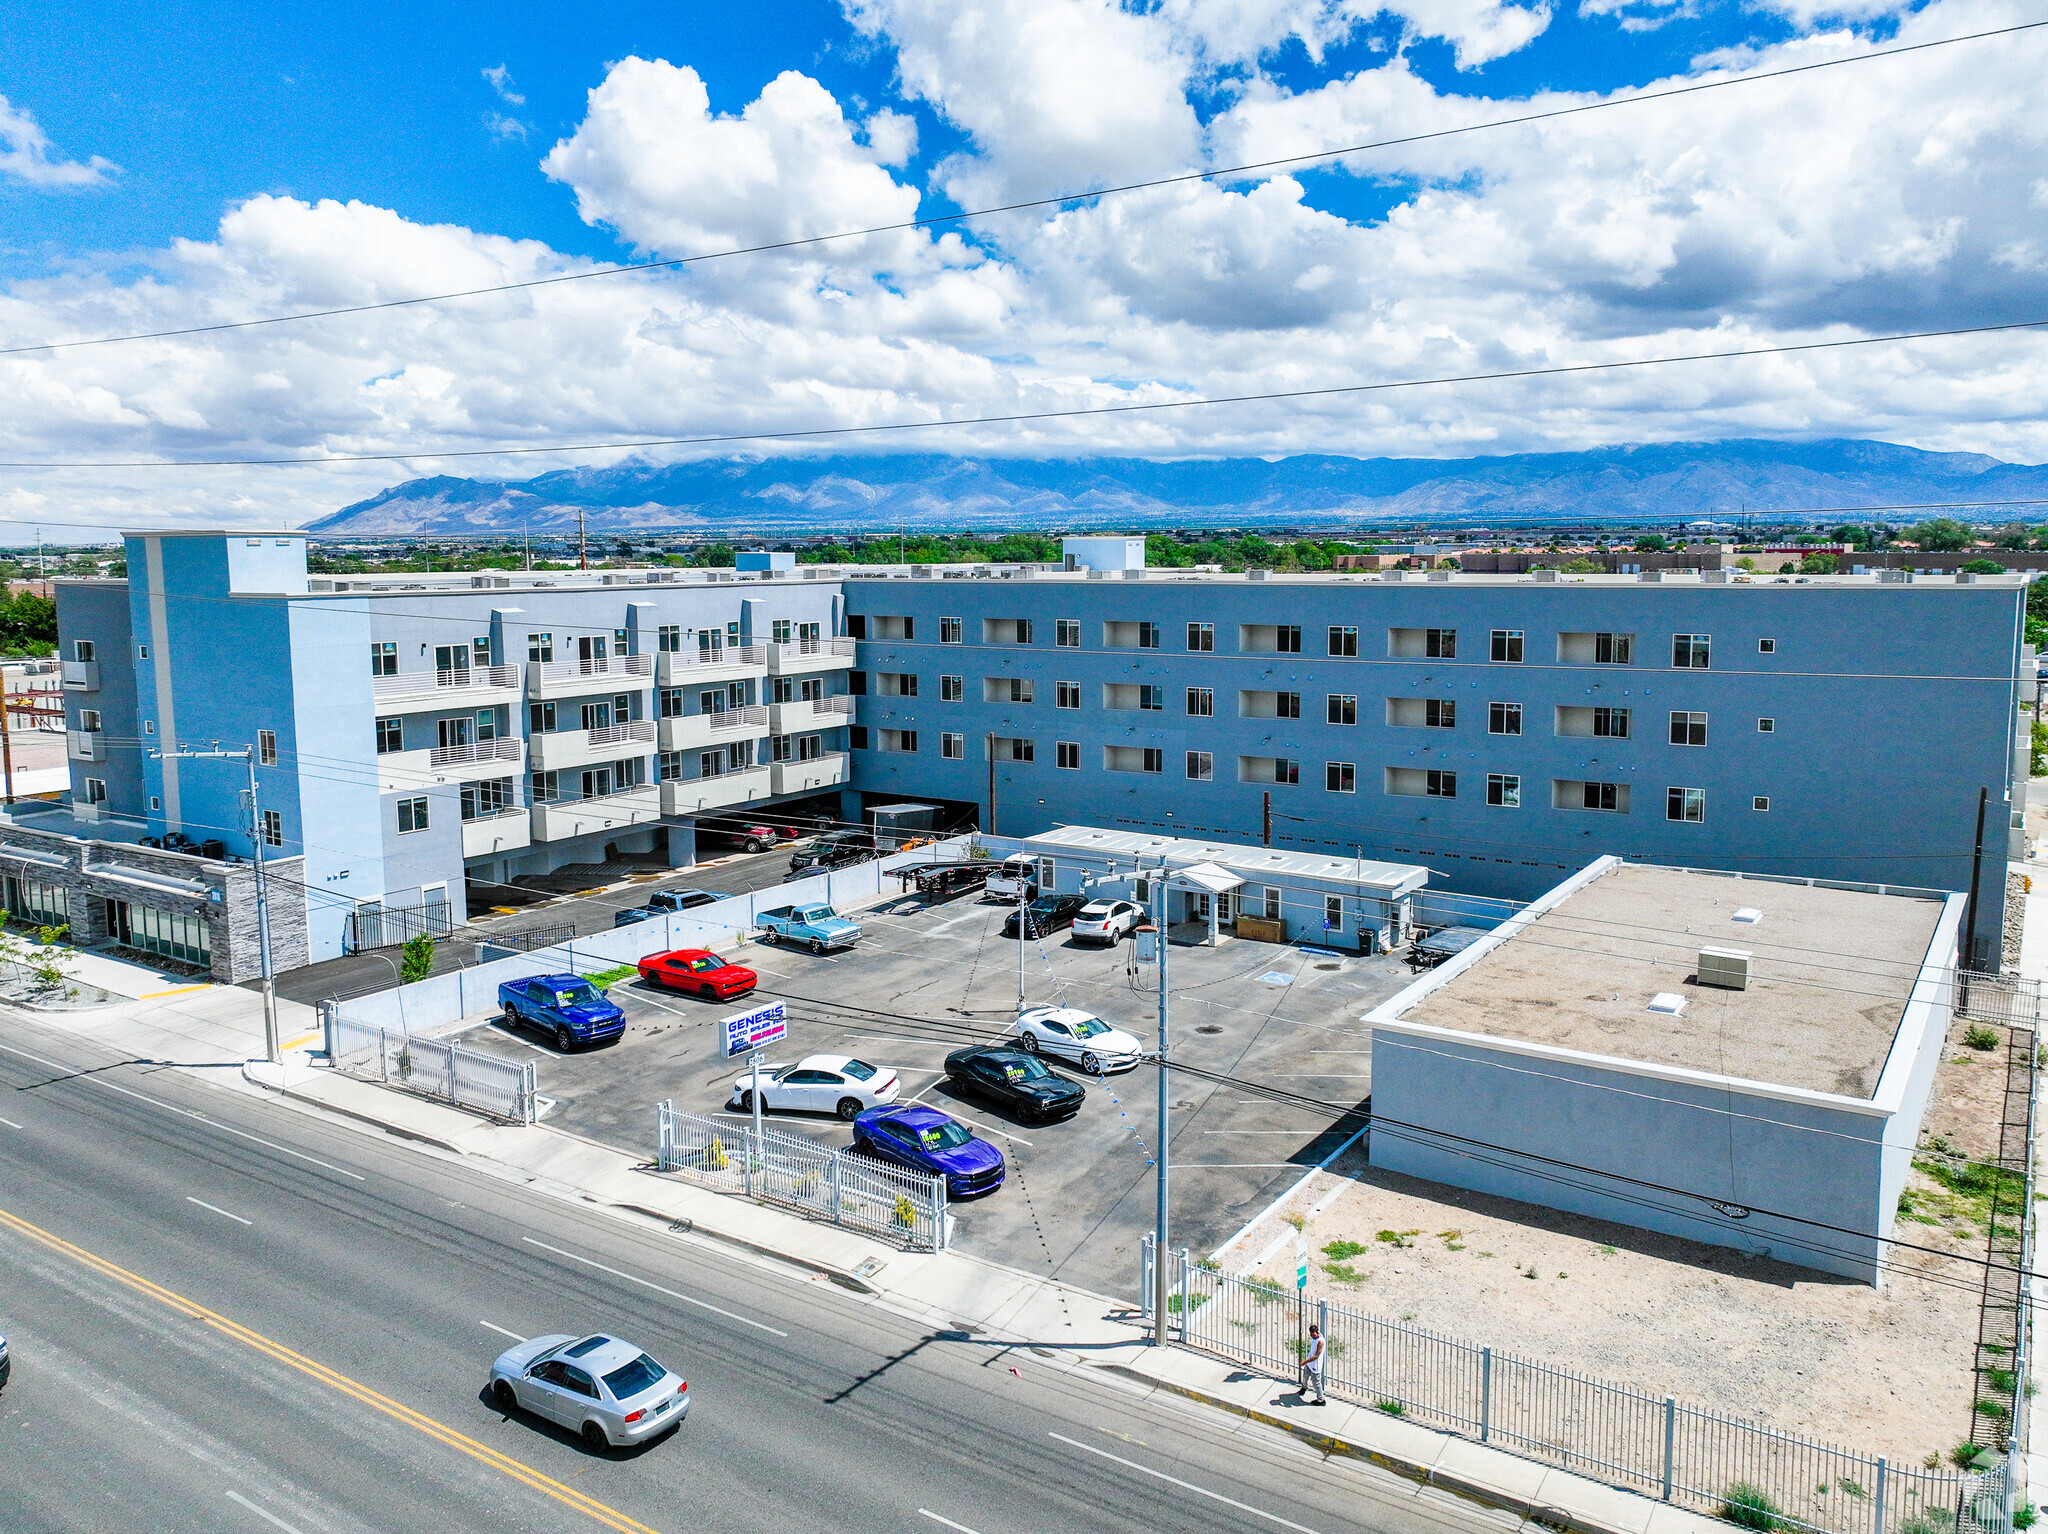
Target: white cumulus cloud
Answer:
pixel 27 155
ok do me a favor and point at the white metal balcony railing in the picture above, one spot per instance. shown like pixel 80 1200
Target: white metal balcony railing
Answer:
pixel 839 704
pixel 621 734
pixel 557 749
pixel 610 665
pixel 747 716
pixel 810 654
pixel 409 684
pixel 504 750
pixel 689 662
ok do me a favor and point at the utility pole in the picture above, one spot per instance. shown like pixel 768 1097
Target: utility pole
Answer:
pixel 1023 918
pixel 271 1051
pixel 1160 1282
pixel 582 543
pixel 990 741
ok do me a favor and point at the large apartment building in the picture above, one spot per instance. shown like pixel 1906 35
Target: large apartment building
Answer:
pixel 1500 729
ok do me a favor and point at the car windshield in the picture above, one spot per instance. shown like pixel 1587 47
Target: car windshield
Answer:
pixel 1024 1068
pixel 709 962
pixel 628 1380
pixel 859 1070
pixel 815 913
pixel 935 1137
pixel 1046 903
pixel 579 995
pixel 1090 1027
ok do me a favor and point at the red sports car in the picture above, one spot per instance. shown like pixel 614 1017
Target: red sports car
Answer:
pixel 698 971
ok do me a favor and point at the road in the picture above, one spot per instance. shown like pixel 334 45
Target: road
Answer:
pixel 227 1314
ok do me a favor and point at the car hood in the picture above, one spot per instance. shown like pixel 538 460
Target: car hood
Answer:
pixel 832 924
pixel 965 1160
pixel 1114 1042
pixel 516 1360
pixel 598 1012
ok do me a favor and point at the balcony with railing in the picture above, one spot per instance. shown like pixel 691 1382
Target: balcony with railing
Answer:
pixel 497 833
pixel 691 796
pixel 810 655
pixel 461 687
pixel 398 771
pixel 575 678
pixel 729 663
pixel 563 818
pixel 810 775
pixel 556 750
pixel 689 732
pixel 806 714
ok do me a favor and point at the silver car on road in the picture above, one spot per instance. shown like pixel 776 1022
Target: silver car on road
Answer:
pixel 605 1390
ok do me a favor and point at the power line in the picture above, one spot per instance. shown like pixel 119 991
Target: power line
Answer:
pixel 1059 200
pixel 1024 417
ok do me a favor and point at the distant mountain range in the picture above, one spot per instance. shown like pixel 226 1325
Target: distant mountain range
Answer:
pixel 1664 482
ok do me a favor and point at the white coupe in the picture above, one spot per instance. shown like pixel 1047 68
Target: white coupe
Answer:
pixel 1070 1034
pixel 818 1084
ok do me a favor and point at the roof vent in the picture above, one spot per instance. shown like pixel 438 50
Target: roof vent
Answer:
pixel 1668 1003
pixel 1727 968
pixel 1748 915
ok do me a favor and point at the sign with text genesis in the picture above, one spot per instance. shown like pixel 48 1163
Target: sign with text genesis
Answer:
pixel 749 1031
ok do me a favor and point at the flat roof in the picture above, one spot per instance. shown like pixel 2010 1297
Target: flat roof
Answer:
pixel 1238 857
pixel 1830 975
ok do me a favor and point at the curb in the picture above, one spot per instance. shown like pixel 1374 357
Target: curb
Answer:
pixel 323 1106
pixel 839 1276
pixel 1543 1514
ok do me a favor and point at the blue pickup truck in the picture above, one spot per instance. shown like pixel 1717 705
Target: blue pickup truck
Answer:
pixel 816 927
pixel 661 902
pixel 568 1008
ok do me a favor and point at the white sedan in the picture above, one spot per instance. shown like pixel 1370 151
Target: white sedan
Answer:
pixel 1078 1036
pixel 1107 921
pixel 605 1391
pixel 818 1084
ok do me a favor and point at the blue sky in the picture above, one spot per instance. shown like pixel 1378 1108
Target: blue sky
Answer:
pixel 189 163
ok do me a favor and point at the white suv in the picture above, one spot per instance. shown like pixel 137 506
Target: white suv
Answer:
pixel 1107 921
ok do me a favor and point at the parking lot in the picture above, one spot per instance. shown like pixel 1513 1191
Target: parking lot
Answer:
pixel 927 980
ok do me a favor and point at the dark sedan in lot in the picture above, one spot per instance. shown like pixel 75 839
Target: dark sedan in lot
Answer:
pixel 1012 1079
pixel 1048 914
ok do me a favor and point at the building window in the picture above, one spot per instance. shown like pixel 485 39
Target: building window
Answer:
pixel 1148 636
pixel 899 740
pixel 1287 639
pixel 1612 722
pixel 1601 796
pixel 1269 903
pixel 781 631
pixel 1689 651
pixel 1155 759
pixel 1440 644
pixel 540 648
pixel 95 790
pixel 1441 785
pixel 493 796
pixel 1202 637
pixel 1201 766
pixel 1503 718
pixel 1152 698
pixel 1760 803
pixel 1613 649
pixel 34 900
pixel 1202 702
pixel 1343 640
pixel 142 652
pixel 480 649
pixel 266 748
pixel 1014 749
pixel 1507 646
pixel 412 815
pixel 669 638
pixel 155 804
pixel 1286 705
pixel 1333 913
pixel 668 767
pixel 1763 647
pixel 384 659
pixel 1440 713
pixel 1685 804
pixel 1688 729
pixel 89 721
pixel 390 735
pixel 1068 753
pixel 1340 777
pixel 952 689
pixel 952 745
pixel 83 650
pixel 1066 633
pixel 1342 707
pixel 1766 726
pixel 785 690
pixel 1067 694
pixel 951 631
pixel 1023 631
pixel 856 737
pixel 273 828
pixel 149 726
pixel 1286 771
pixel 169 933
pixel 1504 790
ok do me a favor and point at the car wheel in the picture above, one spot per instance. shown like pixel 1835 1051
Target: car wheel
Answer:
pixel 1028 1042
pixel 1091 1064
pixel 746 1102
pixel 818 946
pixel 594 1438
pixel 849 1108
pixel 503 1397
pixel 564 1040
pixel 753 844
pixel 512 1018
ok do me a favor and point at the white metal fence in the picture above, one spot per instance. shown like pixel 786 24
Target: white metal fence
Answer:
pixel 777 1168
pixel 1652 1444
pixel 506 1088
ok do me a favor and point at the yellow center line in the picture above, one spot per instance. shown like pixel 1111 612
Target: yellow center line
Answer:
pixel 504 1463
pixel 183 990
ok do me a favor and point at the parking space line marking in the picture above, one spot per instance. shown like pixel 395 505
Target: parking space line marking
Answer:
pixel 333 1378
pixel 1201 1491
pixel 202 1203
pixel 235 1496
pixel 10 1123
pixel 650 1284
pixel 1325 1075
pixel 956 921
pixel 963 1118
pixel 501 1331
pixel 660 1005
pixel 949 1523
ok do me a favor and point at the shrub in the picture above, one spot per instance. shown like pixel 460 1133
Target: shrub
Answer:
pixel 2023 1516
pixel 1344 1251
pixel 1391 1408
pixel 1748 1507
pixel 1982 567
pixel 1397 1238
pixel 1929 1520
pixel 418 959
pixel 906 1212
pixel 612 976
pixel 1344 1273
pixel 715 1158
pixel 1977 1036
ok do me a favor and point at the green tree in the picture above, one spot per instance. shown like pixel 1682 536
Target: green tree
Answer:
pixel 1819 564
pixel 1856 537
pixel 2014 535
pixel 1651 543
pixel 1942 535
pixel 417 961
pixel 1582 566
pixel 1982 567
pixel 28 625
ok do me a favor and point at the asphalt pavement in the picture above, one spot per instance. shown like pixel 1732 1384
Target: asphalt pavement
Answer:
pixel 228 1313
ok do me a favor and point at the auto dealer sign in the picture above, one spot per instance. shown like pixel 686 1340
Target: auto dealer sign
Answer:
pixel 749 1031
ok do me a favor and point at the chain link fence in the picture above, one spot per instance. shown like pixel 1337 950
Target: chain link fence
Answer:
pixel 855 1191
pixel 1758 1476
pixel 507 1089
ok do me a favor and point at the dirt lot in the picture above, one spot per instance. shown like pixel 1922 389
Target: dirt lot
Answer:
pixel 1883 1370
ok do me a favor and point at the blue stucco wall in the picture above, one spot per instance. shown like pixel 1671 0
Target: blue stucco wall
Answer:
pixel 98 611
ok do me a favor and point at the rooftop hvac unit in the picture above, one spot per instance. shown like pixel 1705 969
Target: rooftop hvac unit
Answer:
pixel 1727 968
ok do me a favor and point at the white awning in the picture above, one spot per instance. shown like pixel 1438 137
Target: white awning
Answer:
pixel 1204 876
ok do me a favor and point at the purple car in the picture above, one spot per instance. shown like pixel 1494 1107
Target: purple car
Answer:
pixel 924 1139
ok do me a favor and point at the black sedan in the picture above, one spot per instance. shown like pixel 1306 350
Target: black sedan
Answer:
pixel 1011 1079
pixel 1048 914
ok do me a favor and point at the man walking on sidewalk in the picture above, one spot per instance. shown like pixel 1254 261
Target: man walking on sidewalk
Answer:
pixel 1312 1368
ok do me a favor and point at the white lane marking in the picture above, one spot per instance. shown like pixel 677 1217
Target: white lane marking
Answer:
pixel 501 1331
pixel 949 1523
pixel 649 1284
pixel 202 1203
pixel 188 1113
pixel 1324 1075
pixel 662 1005
pixel 963 1118
pixel 956 921
pixel 10 1123
pixel 235 1496
pixel 1200 1491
